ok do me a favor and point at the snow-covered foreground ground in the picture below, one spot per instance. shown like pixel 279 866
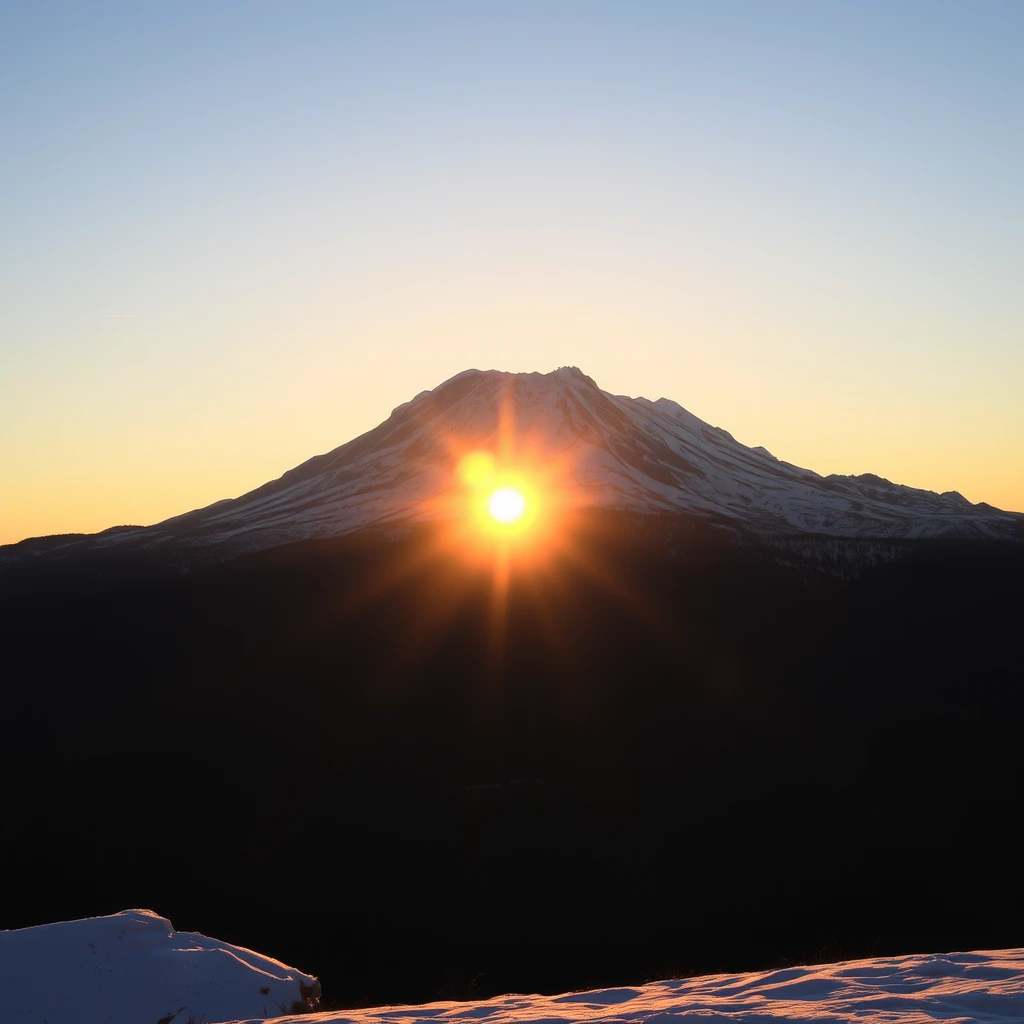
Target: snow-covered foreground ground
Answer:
pixel 955 987
pixel 134 968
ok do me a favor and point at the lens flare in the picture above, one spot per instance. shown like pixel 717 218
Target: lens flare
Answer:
pixel 506 504
pixel 477 469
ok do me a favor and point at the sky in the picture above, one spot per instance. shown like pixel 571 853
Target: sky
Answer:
pixel 235 235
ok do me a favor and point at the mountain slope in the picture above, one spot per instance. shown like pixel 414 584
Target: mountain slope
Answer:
pixel 600 450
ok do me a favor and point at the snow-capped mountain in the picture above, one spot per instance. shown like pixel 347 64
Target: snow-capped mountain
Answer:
pixel 608 451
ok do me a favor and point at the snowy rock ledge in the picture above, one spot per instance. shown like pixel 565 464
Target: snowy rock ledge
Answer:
pixel 134 968
pixel 955 988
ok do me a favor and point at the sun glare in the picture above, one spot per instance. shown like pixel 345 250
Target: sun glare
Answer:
pixel 514 511
pixel 506 504
pixel 502 496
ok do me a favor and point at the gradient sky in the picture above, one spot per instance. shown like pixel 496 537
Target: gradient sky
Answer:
pixel 235 235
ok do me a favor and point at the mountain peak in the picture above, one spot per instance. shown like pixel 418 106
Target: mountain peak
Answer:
pixel 576 374
pixel 568 374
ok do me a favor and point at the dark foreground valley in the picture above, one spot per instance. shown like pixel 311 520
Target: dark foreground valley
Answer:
pixel 690 752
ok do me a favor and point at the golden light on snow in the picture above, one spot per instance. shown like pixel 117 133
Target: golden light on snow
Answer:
pixel 506 504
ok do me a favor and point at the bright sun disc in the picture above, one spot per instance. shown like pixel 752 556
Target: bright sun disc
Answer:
pixel 506 504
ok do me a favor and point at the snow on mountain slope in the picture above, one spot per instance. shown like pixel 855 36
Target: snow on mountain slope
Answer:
pixel 621 452
pixel 958 988
pixel 134 968
pixel 608 451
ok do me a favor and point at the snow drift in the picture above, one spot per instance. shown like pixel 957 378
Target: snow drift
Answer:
pixel 134 968
pixel 959 987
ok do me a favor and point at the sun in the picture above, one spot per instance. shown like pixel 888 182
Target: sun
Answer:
pixel 504 500
pixel 506 504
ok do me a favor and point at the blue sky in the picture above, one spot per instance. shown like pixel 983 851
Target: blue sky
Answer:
pixel 237 234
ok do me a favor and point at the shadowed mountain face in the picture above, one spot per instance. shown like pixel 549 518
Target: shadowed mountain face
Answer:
pixel 611 452
pixel 689 754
